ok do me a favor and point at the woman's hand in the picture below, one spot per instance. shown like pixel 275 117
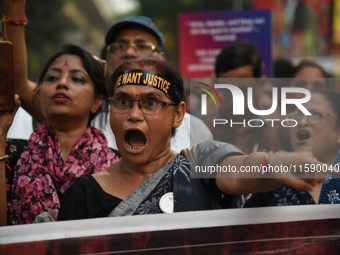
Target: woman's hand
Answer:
pixel 305 171
pixel 294 169
pixel 6 118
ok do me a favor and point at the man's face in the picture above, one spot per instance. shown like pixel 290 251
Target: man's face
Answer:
pixel 243 78
pixel 132 36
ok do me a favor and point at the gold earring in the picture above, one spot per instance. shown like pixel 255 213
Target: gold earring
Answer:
pixel 175 125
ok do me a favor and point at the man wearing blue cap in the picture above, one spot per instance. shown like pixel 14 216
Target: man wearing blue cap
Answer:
pixel 136 37
pixel 133 37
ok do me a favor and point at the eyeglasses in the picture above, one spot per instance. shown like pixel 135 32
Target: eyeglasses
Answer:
pixel 143 48
pixel 147 106
pixel 315 118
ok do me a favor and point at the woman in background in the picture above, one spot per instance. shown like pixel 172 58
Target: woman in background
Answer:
pixel 71 91
pixel 318 133
pixel 309 75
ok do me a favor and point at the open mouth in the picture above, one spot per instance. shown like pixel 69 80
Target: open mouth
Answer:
pixel 303 135
pixel 135 139
pixel 60 96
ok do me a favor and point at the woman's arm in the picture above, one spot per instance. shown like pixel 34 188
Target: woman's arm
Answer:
pixel 6 120
pixel 3 200
pixel 243 183
pixel 15 11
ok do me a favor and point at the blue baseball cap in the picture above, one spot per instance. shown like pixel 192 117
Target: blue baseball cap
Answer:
pixel 140 20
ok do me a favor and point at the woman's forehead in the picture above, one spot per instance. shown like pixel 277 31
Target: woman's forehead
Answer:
pixel 67 59
pixel 318 101
pixel 139 90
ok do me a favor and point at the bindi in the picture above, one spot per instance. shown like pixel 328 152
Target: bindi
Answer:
pixel 66 64
pixel 136 95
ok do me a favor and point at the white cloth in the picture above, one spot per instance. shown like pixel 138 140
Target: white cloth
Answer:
pixel 22 126
pixel 192 131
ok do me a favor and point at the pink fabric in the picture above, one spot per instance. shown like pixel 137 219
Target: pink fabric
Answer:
pixel 42 177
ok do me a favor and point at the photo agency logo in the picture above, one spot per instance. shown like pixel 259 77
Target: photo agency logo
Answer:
pixel 210 91
pixel 241 101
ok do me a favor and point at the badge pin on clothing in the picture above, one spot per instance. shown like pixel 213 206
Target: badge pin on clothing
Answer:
pixel 166 203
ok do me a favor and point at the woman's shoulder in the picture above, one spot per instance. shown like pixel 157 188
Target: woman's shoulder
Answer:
pixel 210 152
pixel 85 182
pixel 102 175
pixel 87 185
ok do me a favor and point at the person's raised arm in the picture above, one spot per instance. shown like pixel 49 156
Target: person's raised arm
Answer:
pixel 6 120
pixel 249 182
pixel 15 20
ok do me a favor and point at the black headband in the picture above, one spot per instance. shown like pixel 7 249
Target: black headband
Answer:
pixel 148 78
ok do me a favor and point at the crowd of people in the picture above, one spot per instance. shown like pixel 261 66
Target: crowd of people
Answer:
pixel 110 143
